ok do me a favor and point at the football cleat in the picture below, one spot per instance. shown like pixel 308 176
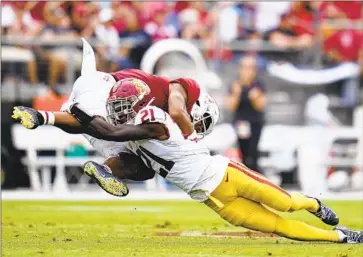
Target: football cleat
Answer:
pixel 28 117
pixel 349 236
pixel 104 178
pixel 327 215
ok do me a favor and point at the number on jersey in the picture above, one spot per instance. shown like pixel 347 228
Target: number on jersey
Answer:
pixel 166 165
pixel 147 115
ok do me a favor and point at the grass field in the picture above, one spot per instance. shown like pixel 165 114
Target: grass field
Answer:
pixel 151 228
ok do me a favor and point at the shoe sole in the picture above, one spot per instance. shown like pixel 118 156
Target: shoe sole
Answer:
pixel 110 185
pixel 26 118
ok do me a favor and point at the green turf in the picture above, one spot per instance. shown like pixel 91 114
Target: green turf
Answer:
pixel 127 228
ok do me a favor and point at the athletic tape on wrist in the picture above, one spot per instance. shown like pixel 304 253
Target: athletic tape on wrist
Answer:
pixel 49 117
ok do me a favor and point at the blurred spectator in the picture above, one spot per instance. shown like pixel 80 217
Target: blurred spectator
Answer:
pixel 284 35
pixel 128 16
pixel 158 27
pixel 247 18
pixel 107 34
pixel 344 46
pixel 84 18
pixel 13 22
pixel 58 29
pixel 268 14
pixel 302 18
pixel 247 100
pixel 337 12
pixel 195 21
pixel 340 9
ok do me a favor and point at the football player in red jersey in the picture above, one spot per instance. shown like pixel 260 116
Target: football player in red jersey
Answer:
pixel 176 97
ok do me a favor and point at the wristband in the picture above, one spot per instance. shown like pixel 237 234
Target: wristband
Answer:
pixel 48 117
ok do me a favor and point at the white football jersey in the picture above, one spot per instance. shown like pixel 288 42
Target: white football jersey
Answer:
pixel 91 92
pixel 185 163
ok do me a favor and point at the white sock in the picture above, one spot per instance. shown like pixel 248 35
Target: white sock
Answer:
pixel 341 235
pixel 48 117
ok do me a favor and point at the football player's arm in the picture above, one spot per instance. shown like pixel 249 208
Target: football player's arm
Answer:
pixel 62 120
pixel 66 122
pixel 106 131
pixel 177 108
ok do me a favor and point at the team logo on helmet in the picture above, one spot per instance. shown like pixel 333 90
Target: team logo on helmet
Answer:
pixel 125 100
pixel 141 87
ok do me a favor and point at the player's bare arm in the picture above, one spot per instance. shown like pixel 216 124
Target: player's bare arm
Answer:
pixel 177 108
pixel 31 119
pixel 121 133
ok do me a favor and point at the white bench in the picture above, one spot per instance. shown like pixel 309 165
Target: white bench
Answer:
pixel 53 139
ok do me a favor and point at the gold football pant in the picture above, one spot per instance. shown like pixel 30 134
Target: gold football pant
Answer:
pixel 243 195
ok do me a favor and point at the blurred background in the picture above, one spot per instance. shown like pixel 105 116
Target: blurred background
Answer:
pixel 287 77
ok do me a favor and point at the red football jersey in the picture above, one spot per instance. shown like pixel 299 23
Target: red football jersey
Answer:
pixel 159 87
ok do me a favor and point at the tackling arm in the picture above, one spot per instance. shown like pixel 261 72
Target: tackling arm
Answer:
pixel 104 130
pixel 66 122
pixel 177 108
pixel 31 119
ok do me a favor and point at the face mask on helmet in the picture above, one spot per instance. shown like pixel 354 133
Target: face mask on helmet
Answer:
pixel 120 111
pixel 205 115
pixel 125 99
pixel 202 125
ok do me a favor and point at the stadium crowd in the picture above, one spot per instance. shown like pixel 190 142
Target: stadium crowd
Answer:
pixel 286 25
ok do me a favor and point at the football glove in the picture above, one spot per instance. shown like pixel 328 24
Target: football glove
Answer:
pixel 28 117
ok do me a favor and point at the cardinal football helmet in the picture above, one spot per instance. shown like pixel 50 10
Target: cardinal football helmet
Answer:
pixel 126 98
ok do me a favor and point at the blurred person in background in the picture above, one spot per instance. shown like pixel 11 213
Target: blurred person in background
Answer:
pixel 196 21
pixel 84 18
pixel 59 29
pixel 15 21
pixel 295 29
pixel 159 27
pixel 342 43
pixel 106 33
pixel 129 20
pixel 247 100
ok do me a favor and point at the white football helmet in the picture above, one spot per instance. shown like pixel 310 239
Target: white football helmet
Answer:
pixel 205 115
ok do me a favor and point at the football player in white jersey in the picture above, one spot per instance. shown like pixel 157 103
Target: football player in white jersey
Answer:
pixel 235 192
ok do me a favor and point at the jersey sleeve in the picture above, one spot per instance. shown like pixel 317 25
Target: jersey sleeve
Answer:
pixel 192 88
pixel 150 114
